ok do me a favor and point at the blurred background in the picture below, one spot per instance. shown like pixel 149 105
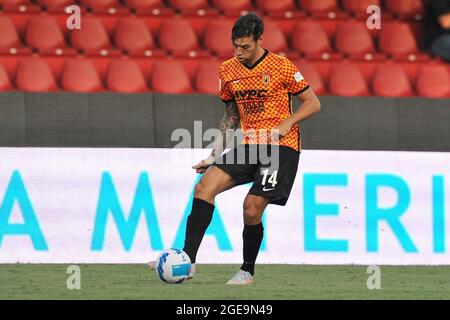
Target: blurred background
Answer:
pixel 139 69
pixel 176 46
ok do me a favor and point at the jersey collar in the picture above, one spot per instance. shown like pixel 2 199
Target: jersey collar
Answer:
pixel 257 62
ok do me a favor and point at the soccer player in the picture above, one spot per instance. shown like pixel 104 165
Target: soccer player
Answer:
pixel 256 87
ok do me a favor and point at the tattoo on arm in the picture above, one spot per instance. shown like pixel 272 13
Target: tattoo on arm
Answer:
pixel 230 122
pixel 230 119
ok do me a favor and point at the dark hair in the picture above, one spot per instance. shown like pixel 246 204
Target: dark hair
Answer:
pixel 248 25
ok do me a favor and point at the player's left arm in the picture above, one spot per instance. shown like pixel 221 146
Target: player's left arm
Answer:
pixel 310 106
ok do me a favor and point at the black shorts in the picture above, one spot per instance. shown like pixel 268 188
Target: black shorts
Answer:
pixel 272 169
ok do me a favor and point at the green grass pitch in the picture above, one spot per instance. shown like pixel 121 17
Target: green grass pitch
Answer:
pixel 274 282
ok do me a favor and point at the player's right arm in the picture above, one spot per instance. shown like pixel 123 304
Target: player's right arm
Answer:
pixel 229 123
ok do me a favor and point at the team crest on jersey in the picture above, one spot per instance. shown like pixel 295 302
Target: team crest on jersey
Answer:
pixel 266 79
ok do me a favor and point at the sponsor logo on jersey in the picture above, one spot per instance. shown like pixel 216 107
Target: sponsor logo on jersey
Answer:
pixel 249 94
pixel 266 79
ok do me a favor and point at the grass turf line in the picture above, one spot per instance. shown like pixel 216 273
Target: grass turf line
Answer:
pixel 286 282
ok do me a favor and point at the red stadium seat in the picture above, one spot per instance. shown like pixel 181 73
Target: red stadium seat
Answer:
pixel 91 38
pixel 310 39
pixel 353 39
pixel 322 6
pixel 217 38
pixel 391 81
pixel 182 5
pixel 15 4
pixel 5 84
pixel 273 38
pixel 154 7
pixel 144 4
pixel 80 75
pixel 358 8
pixel 232 7
pixel 311 75
pixel 192 7
pixel 347 80
pixel 397 40
pixel 9 38
pixel 177 37
pixel 133 36
pixel 110 6
pixel 207 77
pixel 433 81
pixel 125 76
pixel 34 75
pixel 405 8
pixel 37 26
pixel 56 5
pixel 169 76
pixel 278 6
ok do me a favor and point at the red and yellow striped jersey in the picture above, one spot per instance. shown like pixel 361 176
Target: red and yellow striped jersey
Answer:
pixel 263 95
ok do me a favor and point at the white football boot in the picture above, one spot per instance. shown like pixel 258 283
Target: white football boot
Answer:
pixel 152 265
pixel 241 278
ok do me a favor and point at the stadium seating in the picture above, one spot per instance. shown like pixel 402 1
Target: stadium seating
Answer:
pixel 190 6
pixel 433 81
pixel 353 39
pixel 133 37
pixel 9 38
pixel 169 76
pixel 80 75
pixel 144 5
pixel 217 38
pixel 230 8
pixel 276 7
pixel 315 7
pixel 391 81
pixel 358 8
pixel 405 8
pixel 177 37
pixel 125 76
pixel 274 39
pixel 91 38
pixel 397 40
pixel 53 41
pixel 207 79
pixel 34 75
pixel 55 5
pixel 14 2
pixel 5 83
pixel 101 5
pixel 310 39
pixel 310 73
pixel 347 80
pixel 19 5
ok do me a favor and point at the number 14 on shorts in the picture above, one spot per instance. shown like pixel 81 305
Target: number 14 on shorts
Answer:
pixel 271 181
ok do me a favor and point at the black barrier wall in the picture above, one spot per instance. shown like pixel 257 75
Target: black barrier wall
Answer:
pixel 148 120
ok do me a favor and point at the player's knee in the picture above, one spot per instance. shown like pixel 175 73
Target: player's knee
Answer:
pixel 201 192
pixel 252 213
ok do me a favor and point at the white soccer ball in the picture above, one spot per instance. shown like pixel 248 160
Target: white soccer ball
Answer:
pixel 173 266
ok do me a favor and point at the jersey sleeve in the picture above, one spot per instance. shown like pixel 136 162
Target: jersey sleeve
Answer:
pixel 293 79
pixel 225 93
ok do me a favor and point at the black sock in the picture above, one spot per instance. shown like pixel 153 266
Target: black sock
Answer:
pixel 197 223
pixel 252 236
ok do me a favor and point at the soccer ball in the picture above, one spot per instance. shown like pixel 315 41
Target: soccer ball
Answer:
pixel 173 266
